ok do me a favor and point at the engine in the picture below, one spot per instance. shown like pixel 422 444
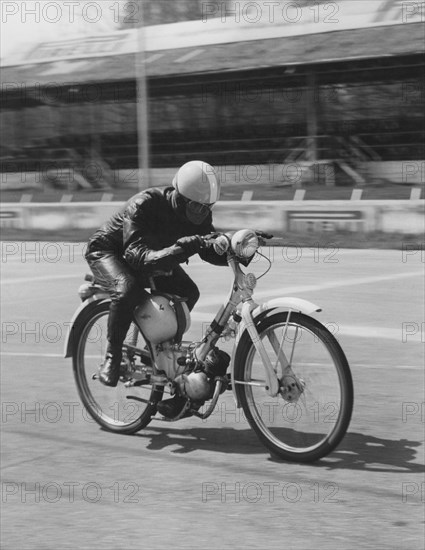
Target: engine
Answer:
pixel 199 384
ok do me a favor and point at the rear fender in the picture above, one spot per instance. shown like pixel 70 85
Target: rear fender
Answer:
pixel 260 312
pixel 83 312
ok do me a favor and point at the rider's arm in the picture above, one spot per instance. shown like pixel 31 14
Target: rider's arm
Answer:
pixel 140 243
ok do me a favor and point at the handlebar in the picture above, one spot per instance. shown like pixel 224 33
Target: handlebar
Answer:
pixel 263 234
pixel 212 238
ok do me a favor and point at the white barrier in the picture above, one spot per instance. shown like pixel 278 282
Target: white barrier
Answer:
pixel 291 174
pixel 302 216
pixel 70 177
pixel 409 172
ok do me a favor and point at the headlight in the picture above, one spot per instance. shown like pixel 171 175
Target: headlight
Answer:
pixel 245 243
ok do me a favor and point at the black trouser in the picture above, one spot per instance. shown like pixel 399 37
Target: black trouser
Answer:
pixel 127 289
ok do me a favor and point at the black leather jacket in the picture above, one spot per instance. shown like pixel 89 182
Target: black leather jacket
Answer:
pixel 144 233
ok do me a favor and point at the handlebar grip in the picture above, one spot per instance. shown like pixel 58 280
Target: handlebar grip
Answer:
pixel 264 234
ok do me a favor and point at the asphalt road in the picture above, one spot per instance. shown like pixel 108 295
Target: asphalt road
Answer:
pixel 211 484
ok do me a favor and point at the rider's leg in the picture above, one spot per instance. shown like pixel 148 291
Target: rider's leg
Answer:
pixel 181 284
pixel 126 292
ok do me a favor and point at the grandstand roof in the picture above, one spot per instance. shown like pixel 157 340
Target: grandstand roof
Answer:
pixel 344 45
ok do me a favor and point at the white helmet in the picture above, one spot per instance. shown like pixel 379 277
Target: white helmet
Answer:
pixel 198 181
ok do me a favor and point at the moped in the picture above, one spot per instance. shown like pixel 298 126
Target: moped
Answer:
pixel 287 371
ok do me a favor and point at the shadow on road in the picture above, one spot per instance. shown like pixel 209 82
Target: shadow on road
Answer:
pixel 356 452
pixel 224 440
pixel 365 452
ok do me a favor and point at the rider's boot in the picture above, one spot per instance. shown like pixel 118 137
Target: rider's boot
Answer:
pixel 118 324
pixel 109 372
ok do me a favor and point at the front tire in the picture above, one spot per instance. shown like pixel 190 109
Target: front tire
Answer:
pixel 124 410
pixel 312 425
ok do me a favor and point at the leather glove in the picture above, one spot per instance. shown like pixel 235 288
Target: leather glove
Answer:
pixel 221 245
pixel 191 245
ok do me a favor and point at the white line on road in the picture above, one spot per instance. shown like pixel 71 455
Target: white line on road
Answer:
pixel 358 331
pixel 26 354
pixel 40 298
pixel 378 333
pixel 284 291
pixel 44 278
pixel 353 365
pixel 261 293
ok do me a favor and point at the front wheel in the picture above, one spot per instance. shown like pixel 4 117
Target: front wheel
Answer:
pixel 311 413
pixel 127 408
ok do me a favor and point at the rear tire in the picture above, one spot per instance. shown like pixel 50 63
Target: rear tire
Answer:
pixel 129 413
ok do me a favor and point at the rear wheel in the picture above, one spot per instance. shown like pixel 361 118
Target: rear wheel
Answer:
pixel 310 415
pixel 127 408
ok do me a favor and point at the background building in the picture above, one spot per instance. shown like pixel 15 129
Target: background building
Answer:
pixel 232 83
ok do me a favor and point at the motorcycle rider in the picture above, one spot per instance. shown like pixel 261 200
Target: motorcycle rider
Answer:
pixel 146 239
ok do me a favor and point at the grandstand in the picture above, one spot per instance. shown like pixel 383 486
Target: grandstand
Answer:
pixel 347 91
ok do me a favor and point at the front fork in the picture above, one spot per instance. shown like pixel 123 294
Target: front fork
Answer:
pixel 272 387
pixel 288 385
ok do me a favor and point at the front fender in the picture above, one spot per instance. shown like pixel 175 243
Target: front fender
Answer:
pixel 79 318
pixel 258 313
pixel 287 303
